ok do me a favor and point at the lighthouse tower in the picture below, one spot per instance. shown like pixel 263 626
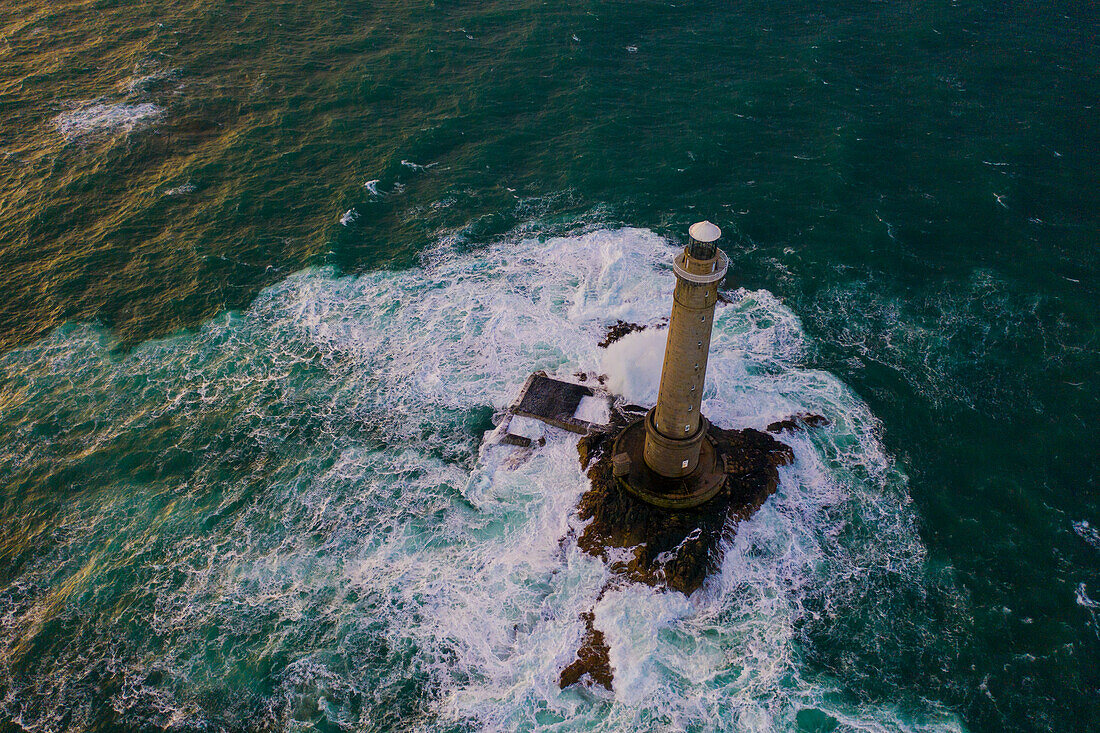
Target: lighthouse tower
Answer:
pixel 675 428
pixel 667 458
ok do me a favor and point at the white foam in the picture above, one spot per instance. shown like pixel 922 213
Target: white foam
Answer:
pixel 595 409
pixel 181 190
pixel 349 216
pixel 633 365
pixel 1087 532
pixel 526 427
pixel 99 117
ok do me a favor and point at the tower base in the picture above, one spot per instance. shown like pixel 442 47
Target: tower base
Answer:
pixel 672 457
pixel 698 487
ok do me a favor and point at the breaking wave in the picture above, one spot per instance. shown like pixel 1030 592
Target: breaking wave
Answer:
pixel 288 518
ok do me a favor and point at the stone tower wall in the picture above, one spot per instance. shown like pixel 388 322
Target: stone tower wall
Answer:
pixel 674 450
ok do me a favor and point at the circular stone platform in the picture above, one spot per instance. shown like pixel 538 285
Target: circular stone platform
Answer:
pixel 696 488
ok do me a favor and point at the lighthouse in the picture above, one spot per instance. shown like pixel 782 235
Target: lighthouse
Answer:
pixel 667 458
pixel 675 428
pixel 662 497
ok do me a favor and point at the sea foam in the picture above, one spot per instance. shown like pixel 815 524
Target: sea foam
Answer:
pixel 102 118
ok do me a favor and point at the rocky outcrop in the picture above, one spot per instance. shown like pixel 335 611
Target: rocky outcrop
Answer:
pixel 801 421
pixel 592 658
pixel 669 549
pixel 675 549
pixel 620 329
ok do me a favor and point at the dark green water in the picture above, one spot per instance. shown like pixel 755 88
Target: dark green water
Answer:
pixel 230 489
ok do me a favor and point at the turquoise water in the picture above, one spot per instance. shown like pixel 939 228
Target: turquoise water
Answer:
pixel 269 269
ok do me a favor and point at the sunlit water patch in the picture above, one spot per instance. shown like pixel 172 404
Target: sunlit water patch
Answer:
pixel 288 517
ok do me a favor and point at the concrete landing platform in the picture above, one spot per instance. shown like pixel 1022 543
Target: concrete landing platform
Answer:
pixel 558 403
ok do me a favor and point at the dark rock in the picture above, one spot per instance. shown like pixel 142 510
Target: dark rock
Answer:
pixel 593 658
pixel 583 451
pixel 617 331
pixel 801 421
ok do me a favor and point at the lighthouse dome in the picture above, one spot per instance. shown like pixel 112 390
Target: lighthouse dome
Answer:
pixel 704 231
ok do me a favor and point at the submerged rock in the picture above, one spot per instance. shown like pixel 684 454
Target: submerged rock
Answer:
pixel 673 549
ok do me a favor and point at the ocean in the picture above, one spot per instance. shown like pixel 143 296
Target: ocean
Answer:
pixel 270 272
